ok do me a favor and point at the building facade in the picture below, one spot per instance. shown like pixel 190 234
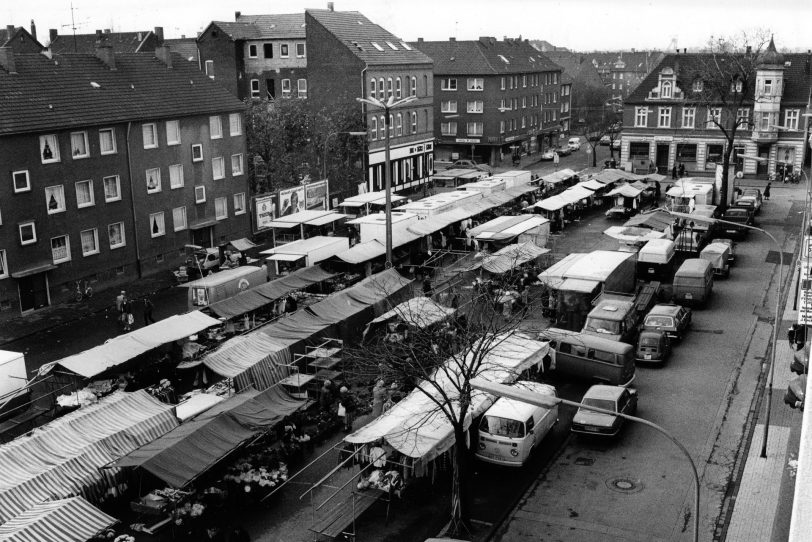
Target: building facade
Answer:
pixel 143 41
pixel 622 71
pixel 494 98
pixel 262 57
pixel 665 124
pixel 122 161
pixel 19 40
pixel 351 57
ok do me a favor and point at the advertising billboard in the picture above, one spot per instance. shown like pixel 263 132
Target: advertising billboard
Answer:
pixel 264 211
pixel 317 196
pixel 291 200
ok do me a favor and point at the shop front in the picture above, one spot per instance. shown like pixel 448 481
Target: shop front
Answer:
pixel 411 166
pixel 32 284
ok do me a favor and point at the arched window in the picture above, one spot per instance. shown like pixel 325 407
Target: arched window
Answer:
pixel 414 122
pixel 391 125
pixel 381 89
pixel 667 89
pixel 389 88
pixel 398 89
pixel 399 125
pixel 382 127
pixel 373 88
pixel 413 90
pixel 373 131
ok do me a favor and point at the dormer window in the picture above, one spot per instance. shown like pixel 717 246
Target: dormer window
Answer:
pixel 698 85
pixel 736 85
pixel 667 89
pixel 768 86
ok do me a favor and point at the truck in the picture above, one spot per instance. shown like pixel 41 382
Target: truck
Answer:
pixel 222 285
pixel 617 315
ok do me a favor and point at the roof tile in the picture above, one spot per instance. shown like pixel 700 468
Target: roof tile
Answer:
pixel 486 56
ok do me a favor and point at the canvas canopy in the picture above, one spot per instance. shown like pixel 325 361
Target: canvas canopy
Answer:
pixel 123 348
pixel 626 190
pixel 418 429
pixel 630 234
pixel 592 184
pixel 420 312
pixel 658 220
pixel 577 193
pixel 507 227
pixel 511 257
pixel 558 176
pixel 65 520
pixel 62 459
pixel 242 244
pixel 375 198
pixel 363 252
pixel 553 203
pixel 579 285
pixel 554 275
pixel 597 265
pixel 181 455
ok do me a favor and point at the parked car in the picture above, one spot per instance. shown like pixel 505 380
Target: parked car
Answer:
pixel 549 154
pixel 612 398
pixel 737 215
pixel 756 194
pixel 605 140
pixel 731 244
pixel 653 346
pixel 202 261
pixel 669 318
pixel 470 164
pixel 574 143
pixel 564 151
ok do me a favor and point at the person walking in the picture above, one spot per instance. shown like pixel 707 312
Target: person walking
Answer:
pixel 767 191
pixel 126 314
pixel 674 172
pixel 681 170
pixel 120 300
pixel 148 306
pixel 346 408
pixel 378 398
pixel 326 396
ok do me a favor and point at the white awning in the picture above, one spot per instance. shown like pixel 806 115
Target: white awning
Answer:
pixel 286 257
pixel 326 219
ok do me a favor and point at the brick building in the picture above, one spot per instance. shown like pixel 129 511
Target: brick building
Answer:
pixel 112 162
pixel 622 71
pixel 257 56
pixel 493 97
pixel 664 123
pixel 352 57
pixel 19 40
pixel 142 41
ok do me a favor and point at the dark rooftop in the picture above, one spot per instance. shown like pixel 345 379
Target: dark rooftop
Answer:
pixel 486 56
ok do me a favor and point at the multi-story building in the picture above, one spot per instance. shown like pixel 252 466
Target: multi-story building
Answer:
pixel 112 163
pixel 352 57
pixel 622 71
pixel 493 98
pixel 257 56
pixel 20 40
pixel 666 123
pixel 143 41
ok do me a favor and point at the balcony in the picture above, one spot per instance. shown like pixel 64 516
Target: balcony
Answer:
pixel 764 136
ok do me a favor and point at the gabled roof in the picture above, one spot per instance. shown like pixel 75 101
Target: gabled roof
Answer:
pixel 6 38
pixel 73 90
pixel 636 61
pixel 257 27
pixel 185 47
pixel 371 43
pixel 121 42
pixel 485 56
pixel 576 65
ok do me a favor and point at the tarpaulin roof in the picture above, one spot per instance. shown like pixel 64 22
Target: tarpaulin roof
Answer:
pixel 553 203
pixel 558 176
pixel 502 223
pixel 363 252
pixel 65 520
pixel 609 176
pixel 626 190
pixel 658 220
pixel 597 265
pixel 592 184
pixel 420 312
pixel 576 194
pixel 417 428
pixel 554 275
pixel 238 354
pixel 511 257
pixel 123 348
pixel 62 459
pixel 191 449
pixel 579 285
pixel 378 198
pixel 358 297
pixel 632 234
pixel 242 244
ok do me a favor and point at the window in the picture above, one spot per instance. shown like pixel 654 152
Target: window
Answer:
pixel 179 218
pixel 107 141
pixel 373 87
pixel 791 119
pixel 153 177
pixel 3 265
pixel 60 249
pixel 373 131
pixel 768 86
pixel 112 188
pixel 78 145
pixel 239 203
pixel 736 85
pixel 267 50
pixel 172 132
pixel 501 127
pixel 236 165
pixel 55 199
pixel 156 224
pixel 475 83
pixel 446 84
pixel 391 125
pixel 218 168
pixel 664 120
pixel 640 117
pixel 215 127
pixel 115 233
pixel 666 89
pixel 84 194
pixel 175 176
pixel 474 128
pixel 502 84
pixel 698 85
pixel 150 134
pixel 390 89
pixel 255 88
pixel 382 128
pixel 284 51
pixel 234 124
pixel 399 125
pixel 475 107
pixel 28 233
pixel 90 242
pixel 524 102
pixel 688 117
pixel 524 122
pixel 714 116
pixel 197 152
pixel 524 81
pixel 220 208
pixel 252 51
pixel 22 183
pixel 743 116
pixel 448 128
pixel 300 50
pixel 765 121
pixel 286 88
pixel 301 87
pixel 414 122
pixel 381 89
pixel 398 88
pixel 200 194
pixel 714 153
pixel 49 148
pixel 413 89
pixel 209 68
pixel 449 106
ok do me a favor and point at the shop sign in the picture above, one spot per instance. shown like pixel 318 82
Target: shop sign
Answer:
pixel 465 140
pixel 264 211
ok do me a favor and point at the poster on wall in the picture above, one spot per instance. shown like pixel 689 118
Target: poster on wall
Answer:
pixel 265 211
pixel 316 196
pixel 291 200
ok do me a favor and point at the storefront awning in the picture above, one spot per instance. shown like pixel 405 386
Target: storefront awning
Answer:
pixel 286 257
pixel 67 520
pixel 200 224
pixel 33 270
pixel 242 244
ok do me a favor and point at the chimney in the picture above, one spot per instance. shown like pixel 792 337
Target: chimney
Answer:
pixel 330 6
pixel 33 29
pixel 163 54
pixel 140 36
pixel 419 40
pixel 452 39
pixel 159 31
pixel 237 15
pixel 685 51
pixel 7 59
pixel 104 51
pixel 53 33
pixel 106 30
pixel 10 31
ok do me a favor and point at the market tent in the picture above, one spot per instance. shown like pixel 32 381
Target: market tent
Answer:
pixel 553 203
pixel 577 193
pixel 256 359
pixel 592 184
pixel 511 257
pixel 558 176
pixel 189 450
pixel 377 198
pixel 123 348
pixel 420 312
pixel 66 520
pixel 377 289
pixel 62 459
pixel 554 275
pixel 626 190
pixel 658 220
pixel 498 224
pixel 631 234
pixel 579 285
pixel 242 244
pixel 363 252
pixel 609 176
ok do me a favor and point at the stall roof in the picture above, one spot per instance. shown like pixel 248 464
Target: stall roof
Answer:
pixel 626 190
pixel 123 348
pixel 221 277
pixel 197 403
pixel 304 247
pixel 558 176
pixel 239 354
pixel 592 184
pixel 688 190
pixel 420 312
pixel 363 252
pixel 553 203
pixel 632 234
pixel 499 224
pixel 579 285
pixel 286 257
pixel 577 193
pixel 327 219
pixel 67 520
pixel 512 256
pixel 609 176
pixel 656 221
pixel 597 265
pixel 520 190
pixel 302 217
pixel 242 244
pixel 554 275
pixel 378 198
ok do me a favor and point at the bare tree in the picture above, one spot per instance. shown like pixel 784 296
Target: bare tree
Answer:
pixel 595 115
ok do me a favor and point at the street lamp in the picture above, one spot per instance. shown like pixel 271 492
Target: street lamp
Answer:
pixel 549 401
pixel 326 141
pixel 387 106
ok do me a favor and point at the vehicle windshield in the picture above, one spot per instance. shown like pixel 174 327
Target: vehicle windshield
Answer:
pixel 502 427
pixel 606 404
pixel 601 325
pixel 659 321
pixel 649 341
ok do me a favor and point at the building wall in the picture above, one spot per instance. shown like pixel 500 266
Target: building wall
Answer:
pixel 275 69
pixel 217 46
pixel 335 75
pixel 23 42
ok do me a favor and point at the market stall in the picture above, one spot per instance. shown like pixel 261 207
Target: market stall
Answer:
pixel 304 253
pixel 364 204
pixel 512 257
pixel 504 230
pixel 418 312
pixel 66 520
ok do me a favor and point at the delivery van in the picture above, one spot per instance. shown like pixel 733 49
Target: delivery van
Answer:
pixel 718 254
pixel 693 282
pixel 655 261
pixel 589 357
pixel 225 284
pixel 510 429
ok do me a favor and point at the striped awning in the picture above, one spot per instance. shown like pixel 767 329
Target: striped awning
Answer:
pixel 66 520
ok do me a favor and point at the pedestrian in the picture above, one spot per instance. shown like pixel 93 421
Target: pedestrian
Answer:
pixel 326 396
pixel 674 172
pixel 681 170
pixel 427 289
pixel 148 306
pixel 126 314
pixel 767 191
pixel 378 398
pixel 120 300
pixel 657 190
pixel 346 407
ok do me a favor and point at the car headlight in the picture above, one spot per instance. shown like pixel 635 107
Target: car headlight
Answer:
pixel 481 445
pixel 514 452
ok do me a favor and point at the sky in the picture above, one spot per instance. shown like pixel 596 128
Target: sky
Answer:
pixel 583 25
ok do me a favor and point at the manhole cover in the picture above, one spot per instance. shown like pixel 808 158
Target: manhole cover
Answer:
pixel 624 485
pixel 586 461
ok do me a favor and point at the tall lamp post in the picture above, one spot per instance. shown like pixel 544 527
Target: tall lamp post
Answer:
pixel 387 106
pixel 548 401
pixel 326 142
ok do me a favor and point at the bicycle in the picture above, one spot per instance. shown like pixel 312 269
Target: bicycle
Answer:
pixel 83 291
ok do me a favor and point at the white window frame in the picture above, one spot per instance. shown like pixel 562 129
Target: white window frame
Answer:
pixel 301 88
pixel 73 149
pixel 373 87
pixel 118 188
pixel 398 88
pixel 208 67
pixel 768 86
pixel 110 237
pixel 382 128
pixel 95 250
pixel 413 87
pixel 197 152
pixel 176 179
pixel 688 114
pixel 3 265
pixel 14 175
pixel 239 170
pixel 239 203
pixel 698 85
pixel 373 135
pixel 475 131
pixel 448 106
pixel 399 124
pixel 743 113
pixel 709 122
pixel 156 176
pixel 23 225
pixel 667 89
pixel 304 51
pixel 641 117
pixel 172 138
pixel 414 122
pixel 664 117
pixel 255 49
pixel 475 107
pixel 234 124
pixel 215 127
pixel 791 117
pixel 153 218
pixel 215 175
pixel 448 83
pixel 179 225
pixel 381 89
pixel 286 87
pixel 284 50
pixel 52 140
pixel 475 84
pixel 501 127
pixel 390 88
pixel 146 129
pixel 92 202
pixel 221 208
pixel 55 189
pixel 67 256
pixel 112 132
pixel 255 92
pixel 200 194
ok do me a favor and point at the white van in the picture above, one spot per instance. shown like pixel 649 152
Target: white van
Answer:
pixel 574 143
pixel 510 429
